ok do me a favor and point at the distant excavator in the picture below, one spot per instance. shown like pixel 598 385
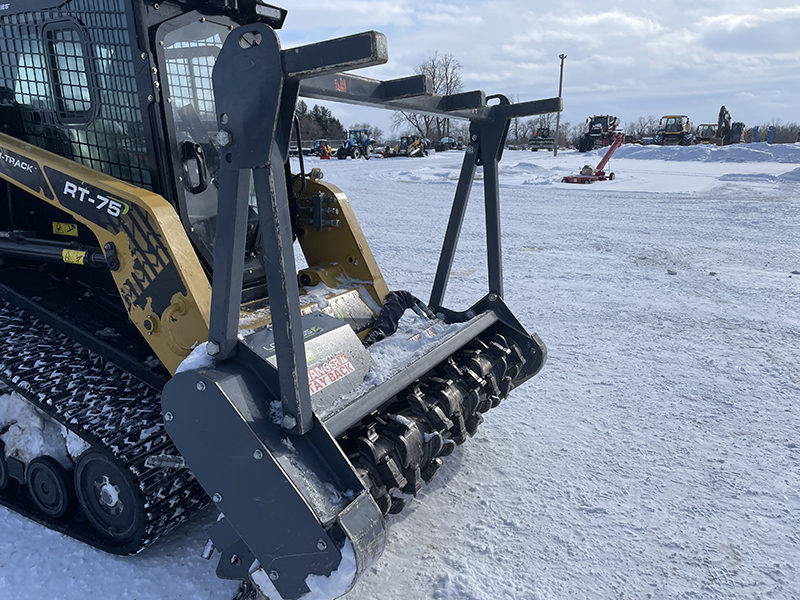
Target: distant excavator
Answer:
pixel 728 133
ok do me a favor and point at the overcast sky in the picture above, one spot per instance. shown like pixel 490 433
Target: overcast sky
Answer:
pixel 630 58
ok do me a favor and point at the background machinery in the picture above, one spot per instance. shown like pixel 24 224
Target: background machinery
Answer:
pixel 156 330
pixel 410 145
pixel 738 133
pixel 705 133
pixel 357 144
pixel 589 174
pixel 728 133
pixel 321 148
pixel 599 132
pixel 761 135
pixel 542 140
pixel 674 130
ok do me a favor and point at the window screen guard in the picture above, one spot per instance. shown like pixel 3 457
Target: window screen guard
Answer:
pixel 70 72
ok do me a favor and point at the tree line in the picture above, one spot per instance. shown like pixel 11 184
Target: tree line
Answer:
pixel 444 71
pixel 318 123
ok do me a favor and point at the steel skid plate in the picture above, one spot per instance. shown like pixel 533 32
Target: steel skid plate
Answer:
pixel 282 495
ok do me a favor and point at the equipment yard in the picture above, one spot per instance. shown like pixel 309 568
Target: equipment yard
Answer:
pixel 655 456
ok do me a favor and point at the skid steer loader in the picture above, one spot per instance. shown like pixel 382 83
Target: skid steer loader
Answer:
pixel 160 344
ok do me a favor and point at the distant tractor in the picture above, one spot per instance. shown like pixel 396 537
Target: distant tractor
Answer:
pixel 759 134
pixel 705 132
pixel 357 144
pixel 542 140
pixel 674 130
pixel 599 132
pixel 320 147
pixel 446 143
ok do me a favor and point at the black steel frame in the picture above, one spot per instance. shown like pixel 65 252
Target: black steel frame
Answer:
pixel 256 86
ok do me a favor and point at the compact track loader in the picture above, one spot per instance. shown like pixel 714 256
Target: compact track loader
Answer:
pixel 161 350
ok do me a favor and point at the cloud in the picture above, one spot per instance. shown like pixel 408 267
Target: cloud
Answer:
pixel 632 57
pixel 350 14
pixel 755 36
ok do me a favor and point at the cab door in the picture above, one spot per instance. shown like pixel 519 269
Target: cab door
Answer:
pixel 188 47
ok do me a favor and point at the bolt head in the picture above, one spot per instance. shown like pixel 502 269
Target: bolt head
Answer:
pixel 201 386
pixel 273 575
pixel 321 545
pixel 475 138
pixel 470 314
pixel 212 348
pixel 289 422
pixel 217 497
pixel 168 416
pixel 258 455
pixel 470 149
pixel 492 297
pixel 224 137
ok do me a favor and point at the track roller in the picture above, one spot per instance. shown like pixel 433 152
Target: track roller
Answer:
pixel 109 497
pixel 50 486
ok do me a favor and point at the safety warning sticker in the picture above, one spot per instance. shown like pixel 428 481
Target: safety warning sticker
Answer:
pixel 73 257
pixel 70 229
pixel 322 376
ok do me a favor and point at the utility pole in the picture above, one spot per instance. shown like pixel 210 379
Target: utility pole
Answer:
pixel 558 114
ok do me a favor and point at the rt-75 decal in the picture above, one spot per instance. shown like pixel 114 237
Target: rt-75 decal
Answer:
pixel 112 206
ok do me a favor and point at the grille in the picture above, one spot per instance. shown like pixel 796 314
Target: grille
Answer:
pixel 70 77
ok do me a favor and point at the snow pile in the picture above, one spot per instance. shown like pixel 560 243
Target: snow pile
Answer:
pixel 736 153
pixel 29 433
pixel 428 174
pixel 791 175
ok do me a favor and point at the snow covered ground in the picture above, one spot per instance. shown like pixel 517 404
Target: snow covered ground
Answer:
pixel 657 454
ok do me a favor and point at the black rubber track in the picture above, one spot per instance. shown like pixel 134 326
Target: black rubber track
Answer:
pixel 111 410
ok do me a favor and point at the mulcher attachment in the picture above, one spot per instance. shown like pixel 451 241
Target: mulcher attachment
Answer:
pixel 403 447
pixel 304 477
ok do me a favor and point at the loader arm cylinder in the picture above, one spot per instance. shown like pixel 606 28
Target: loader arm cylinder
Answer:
pixel 159 278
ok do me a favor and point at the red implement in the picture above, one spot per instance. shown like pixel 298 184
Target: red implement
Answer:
pixel 589 174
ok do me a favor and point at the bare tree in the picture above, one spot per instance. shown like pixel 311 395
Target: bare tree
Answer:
pixel 445 73
pixel 517 129
pixel 652 124
pixel 637 129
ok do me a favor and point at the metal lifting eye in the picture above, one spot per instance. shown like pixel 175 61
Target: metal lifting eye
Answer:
pixel 249 39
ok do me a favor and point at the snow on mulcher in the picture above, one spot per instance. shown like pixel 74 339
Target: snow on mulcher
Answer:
pixel 163 350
